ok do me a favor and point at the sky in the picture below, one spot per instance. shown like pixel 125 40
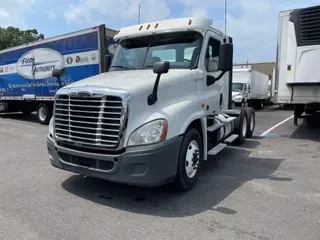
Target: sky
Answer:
pixel 251 23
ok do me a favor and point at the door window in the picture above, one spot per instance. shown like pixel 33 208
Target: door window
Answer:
pixel 212 55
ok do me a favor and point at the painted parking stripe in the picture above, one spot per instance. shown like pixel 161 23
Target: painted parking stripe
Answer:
pixel 275 126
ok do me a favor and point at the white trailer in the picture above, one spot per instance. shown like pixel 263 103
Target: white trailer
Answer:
pixel 298 55
pixel 157 114
pixel 250 86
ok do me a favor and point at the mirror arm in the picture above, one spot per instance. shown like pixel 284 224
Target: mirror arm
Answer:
pixel 153 97
pixel 59 81
pixel 211 80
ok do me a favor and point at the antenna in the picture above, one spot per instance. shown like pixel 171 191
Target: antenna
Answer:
pixel 139 15
pixel 225 18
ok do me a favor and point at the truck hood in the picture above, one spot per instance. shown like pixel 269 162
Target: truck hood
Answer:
pixel 135 81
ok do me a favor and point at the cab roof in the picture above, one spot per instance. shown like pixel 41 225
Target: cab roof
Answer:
pixel 172 25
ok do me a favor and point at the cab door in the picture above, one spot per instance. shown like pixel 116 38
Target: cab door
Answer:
pixel 210 93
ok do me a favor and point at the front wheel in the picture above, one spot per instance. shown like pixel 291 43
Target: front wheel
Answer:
pixel 190 159
pixel 44 113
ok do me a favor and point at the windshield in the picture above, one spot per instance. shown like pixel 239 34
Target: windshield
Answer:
pixel 180 49
pixel 237 87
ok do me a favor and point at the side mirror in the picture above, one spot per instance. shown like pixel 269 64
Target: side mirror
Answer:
pixel 58 72
pixel 107 62
pixel 158 68
pixel 161 67
pixel 226 57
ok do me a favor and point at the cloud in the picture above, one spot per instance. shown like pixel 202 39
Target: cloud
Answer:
pixel 12 12
pixel 92 11
pixel 51 14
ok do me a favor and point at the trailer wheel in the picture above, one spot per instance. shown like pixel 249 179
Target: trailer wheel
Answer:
pixel 241 126
pixel 190 159
pixel 44 113
pixel 251 121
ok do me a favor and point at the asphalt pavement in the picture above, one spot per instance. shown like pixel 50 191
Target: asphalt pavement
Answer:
pixel 267 188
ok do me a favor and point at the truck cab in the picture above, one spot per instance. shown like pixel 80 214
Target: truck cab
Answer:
pixel 158 113
pixel 240 93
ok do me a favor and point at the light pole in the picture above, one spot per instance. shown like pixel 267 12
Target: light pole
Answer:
pixel 139 15
pixel 225 18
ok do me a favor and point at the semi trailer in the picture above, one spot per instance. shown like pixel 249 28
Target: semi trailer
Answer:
pixel 162 108
pixel 297 80
pixel 250 87
pixel 26 82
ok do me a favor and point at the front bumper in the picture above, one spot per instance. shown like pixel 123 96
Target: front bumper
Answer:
pixel 151 165
pixel 237 100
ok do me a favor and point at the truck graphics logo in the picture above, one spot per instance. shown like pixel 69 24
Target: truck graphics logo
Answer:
pixel 93 57
pixel 69 60
pixel 39 63
pixel 82 59
pixel 112 48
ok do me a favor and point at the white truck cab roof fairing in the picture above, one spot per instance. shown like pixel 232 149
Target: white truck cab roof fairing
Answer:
pixel 166 26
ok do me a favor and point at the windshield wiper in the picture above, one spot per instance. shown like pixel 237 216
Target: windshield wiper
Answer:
pixel 119 66
pixel 148 66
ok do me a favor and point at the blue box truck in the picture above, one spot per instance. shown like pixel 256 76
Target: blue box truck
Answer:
pixel 26 82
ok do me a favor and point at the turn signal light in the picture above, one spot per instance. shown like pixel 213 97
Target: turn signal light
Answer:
pixel 190 21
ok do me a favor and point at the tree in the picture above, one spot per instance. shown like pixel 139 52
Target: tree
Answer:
pixel 11 37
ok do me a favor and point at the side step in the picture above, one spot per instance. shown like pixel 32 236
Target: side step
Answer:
pixel 214 151
pixel 214 127
pixel 231 139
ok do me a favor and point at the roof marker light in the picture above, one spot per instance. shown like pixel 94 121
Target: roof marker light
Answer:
pixel 157 24
pixel 140 28
pixel 190 21
pixel 148 26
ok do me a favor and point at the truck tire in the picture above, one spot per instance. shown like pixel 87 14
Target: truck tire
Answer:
pixel 44 113
pixel 189 162
pixel 241 126
pixel 251 121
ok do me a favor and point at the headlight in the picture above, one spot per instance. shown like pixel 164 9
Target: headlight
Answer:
pixel 51 126
pixel 151 132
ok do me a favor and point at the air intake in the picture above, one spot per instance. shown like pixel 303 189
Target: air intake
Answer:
pixel 309 25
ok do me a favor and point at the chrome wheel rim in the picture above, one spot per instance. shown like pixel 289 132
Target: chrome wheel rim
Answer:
pixel 244 127
pixel 192 159
pixel 42 114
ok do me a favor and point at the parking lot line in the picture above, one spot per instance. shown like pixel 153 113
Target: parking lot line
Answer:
pixel 275 126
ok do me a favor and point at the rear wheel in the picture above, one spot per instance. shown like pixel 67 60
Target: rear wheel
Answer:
pixel 190 159
pixel 44 113
pixel 241 126
pixel 251 121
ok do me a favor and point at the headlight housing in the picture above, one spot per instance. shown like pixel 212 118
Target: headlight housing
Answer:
pixel 152 132
pixel 51 125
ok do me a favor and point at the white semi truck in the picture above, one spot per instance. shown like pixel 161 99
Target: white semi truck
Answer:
pixel 161 109
pixel 298 56
pixel 250 86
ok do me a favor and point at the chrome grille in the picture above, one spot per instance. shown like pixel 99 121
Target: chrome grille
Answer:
pixel 93 121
